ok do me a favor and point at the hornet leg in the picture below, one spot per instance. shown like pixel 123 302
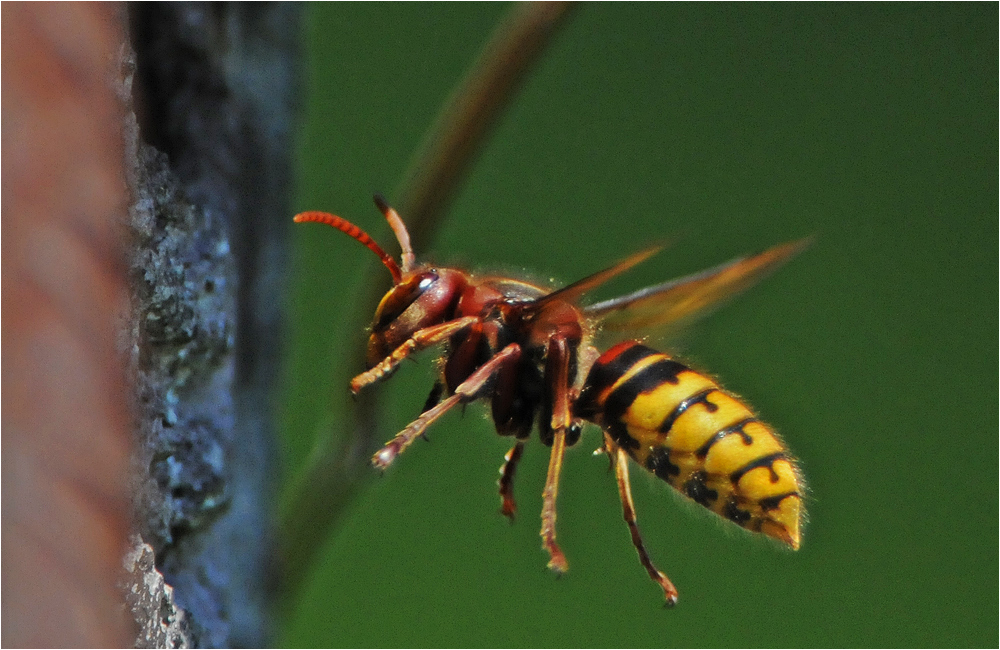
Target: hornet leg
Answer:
pixel 469 390
pixel 508 507
pixel 423 338
pixel 620 460
pixel 557 374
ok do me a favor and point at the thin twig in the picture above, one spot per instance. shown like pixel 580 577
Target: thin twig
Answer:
pixel 447 152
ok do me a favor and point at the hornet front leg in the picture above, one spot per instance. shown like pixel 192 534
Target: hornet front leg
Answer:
pixel 469 390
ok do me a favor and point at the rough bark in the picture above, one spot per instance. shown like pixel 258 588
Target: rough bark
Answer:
pixel 210 172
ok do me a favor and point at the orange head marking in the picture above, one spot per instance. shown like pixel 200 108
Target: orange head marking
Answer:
pixel 398 228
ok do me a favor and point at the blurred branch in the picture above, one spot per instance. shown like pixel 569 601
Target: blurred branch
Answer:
pixel 340 462
pixel 463 125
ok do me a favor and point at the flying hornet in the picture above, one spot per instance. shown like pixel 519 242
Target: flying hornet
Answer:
pixel 530 353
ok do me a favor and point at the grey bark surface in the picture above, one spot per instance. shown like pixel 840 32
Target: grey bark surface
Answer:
pixel 209 158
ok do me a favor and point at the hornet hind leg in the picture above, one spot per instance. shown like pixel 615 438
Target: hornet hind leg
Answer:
pixel 620 460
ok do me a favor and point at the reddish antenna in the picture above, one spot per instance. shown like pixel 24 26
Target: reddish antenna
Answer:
pixel 348 228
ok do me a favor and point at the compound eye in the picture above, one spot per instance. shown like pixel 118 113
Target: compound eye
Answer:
pixel 401 297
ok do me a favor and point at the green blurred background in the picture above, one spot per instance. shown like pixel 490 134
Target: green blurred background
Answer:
pixel 724 129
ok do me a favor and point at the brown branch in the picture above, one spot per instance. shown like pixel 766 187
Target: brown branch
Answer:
pixel 463 125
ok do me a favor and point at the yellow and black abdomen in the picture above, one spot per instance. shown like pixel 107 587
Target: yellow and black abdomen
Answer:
pixel 683 427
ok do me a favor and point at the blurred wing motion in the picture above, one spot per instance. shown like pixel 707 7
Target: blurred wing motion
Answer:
pixel 679 301
pixel 573 292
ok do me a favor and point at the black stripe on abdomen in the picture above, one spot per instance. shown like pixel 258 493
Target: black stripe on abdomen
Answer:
pixel 702 451
pixel 604 375
pixel 697 398
pixel 649 378
pixel 764 461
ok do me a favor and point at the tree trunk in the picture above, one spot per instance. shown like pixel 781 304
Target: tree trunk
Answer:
pixel 210 170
